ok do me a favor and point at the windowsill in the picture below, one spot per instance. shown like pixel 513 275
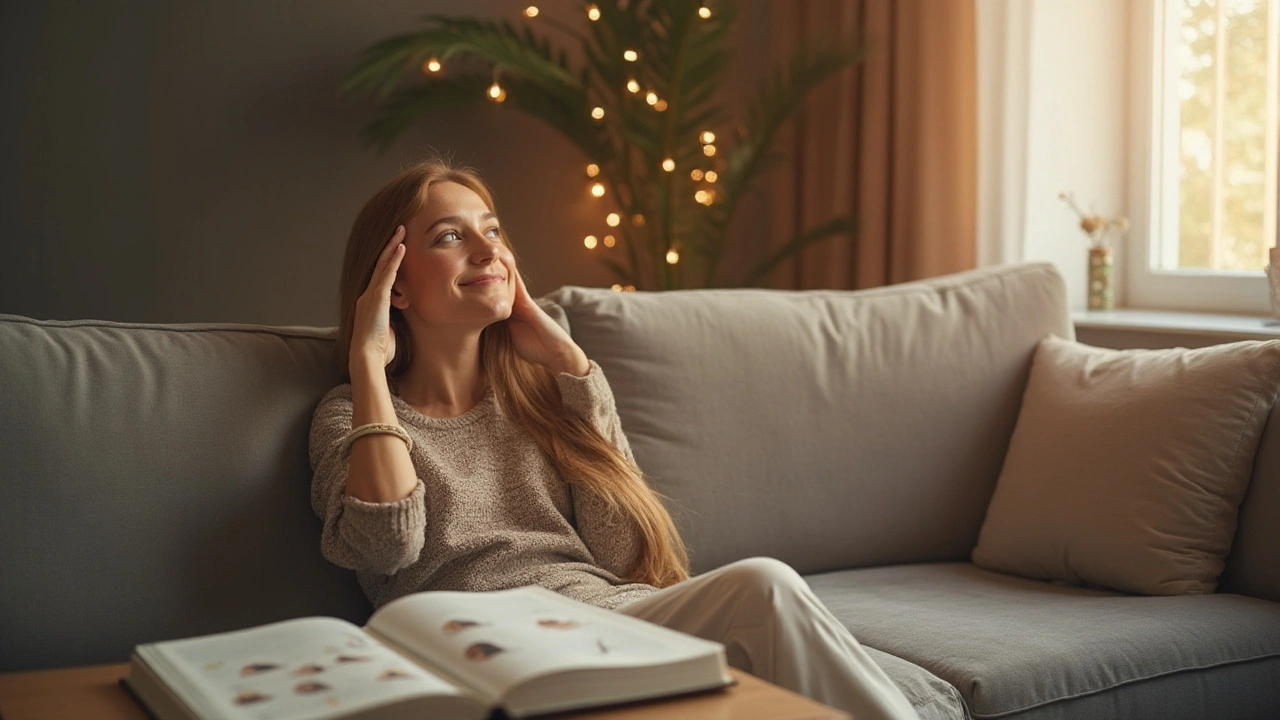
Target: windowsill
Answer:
pixel 1211 327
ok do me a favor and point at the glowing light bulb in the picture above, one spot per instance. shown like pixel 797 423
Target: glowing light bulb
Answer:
pixel 616 287
pixel 708 150
pixel 629 288
pixel 711 176
pixel 696 174
pixel 701 196
pixel 597 189
pixel 597 113
pixel 637 220
pixel 531 11
pixel 673 257
pixel 610 241
pixel 593 170
pixel 590 242
pixel 633 86
pixel 630 55
pixel 593 13
pixel 704 12
pixel 613 220
pixel 496 93
pixel 431 66
pixel 707 137
pixel 660 105
pixel 668 164
pixel 651 98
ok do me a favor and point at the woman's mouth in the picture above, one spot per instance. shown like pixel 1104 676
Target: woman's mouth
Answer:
pixel 484 280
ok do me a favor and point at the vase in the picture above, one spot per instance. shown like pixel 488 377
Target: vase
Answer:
pixel 1273 281
pixel 1102 294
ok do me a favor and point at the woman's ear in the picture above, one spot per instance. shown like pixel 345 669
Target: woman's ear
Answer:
pixel 398 299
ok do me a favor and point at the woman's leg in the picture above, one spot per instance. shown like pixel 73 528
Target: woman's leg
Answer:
pixel 773 627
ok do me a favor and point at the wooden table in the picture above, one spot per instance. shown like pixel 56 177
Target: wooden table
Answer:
pixel 95 692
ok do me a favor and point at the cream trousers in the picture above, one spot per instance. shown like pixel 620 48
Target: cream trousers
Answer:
pixel 773 627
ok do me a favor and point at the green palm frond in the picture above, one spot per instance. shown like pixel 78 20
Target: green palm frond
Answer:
pixel 777 99
pixel 682 60
pixel 835 226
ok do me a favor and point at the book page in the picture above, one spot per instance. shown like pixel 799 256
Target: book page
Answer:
pixel 496 640
pixel 309 668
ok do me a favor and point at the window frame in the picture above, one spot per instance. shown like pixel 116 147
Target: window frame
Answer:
pixel 1151 216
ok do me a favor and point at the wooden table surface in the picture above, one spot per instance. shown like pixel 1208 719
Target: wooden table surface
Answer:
pixel 95 692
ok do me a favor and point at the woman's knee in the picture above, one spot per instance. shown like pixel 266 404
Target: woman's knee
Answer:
pixel 763 574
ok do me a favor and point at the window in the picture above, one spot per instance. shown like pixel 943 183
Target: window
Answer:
pixel 1205 184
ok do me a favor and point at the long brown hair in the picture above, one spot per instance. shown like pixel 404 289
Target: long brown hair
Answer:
pixel 528 392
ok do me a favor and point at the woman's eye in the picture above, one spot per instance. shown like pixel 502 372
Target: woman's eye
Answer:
pixel 448 235
pixel 494 232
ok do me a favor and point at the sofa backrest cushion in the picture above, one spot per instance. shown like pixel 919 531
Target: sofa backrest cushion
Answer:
pixel 156 485
pixel 829 429
pixel 1253 567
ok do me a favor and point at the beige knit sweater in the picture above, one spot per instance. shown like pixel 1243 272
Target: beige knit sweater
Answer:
pixel 489 511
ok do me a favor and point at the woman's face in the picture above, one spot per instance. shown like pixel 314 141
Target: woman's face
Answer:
pixel 456 269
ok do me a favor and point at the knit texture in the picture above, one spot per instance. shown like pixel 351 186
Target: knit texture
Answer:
pixel 489 512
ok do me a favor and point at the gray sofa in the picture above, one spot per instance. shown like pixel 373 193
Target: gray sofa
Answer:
pixel 156 486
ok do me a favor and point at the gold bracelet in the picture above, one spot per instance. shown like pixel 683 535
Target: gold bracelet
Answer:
pixel 375 428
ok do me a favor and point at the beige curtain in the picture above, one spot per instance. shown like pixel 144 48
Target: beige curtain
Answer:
pixel 891 143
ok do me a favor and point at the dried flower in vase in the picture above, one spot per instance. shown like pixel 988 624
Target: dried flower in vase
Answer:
pixel 1098 228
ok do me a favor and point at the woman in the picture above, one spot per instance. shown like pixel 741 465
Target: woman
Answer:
pixel 476 447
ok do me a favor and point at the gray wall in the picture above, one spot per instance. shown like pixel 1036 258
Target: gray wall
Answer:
pixel 176 161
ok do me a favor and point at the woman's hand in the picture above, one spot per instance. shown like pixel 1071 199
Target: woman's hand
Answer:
pixel 372 339
pixel 539 339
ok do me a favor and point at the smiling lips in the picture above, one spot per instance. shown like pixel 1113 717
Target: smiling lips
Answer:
pixel 484 280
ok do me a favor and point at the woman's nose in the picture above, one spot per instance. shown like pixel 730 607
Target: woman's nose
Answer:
pixel 486 248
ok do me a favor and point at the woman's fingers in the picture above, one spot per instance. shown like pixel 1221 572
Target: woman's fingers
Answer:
pixel 384 272
pixel 389 272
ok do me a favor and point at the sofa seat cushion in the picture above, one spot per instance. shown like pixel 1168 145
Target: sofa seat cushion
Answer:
pixel 930 696
pixel 1027 648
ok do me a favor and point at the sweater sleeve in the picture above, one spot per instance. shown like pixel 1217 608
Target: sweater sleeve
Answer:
pixel 614 542
pixel 590 398
pixel 376 537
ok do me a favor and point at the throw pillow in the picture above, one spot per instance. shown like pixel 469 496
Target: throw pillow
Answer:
pixel 1127 467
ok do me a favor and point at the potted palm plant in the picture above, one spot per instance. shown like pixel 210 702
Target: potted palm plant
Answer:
pixel 643 105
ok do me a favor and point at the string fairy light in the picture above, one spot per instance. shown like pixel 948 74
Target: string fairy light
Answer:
pixel 593 170
pixel 704 12
pixel 637 220
pixel 633 86
pixel 616 287
pixel 496 93
pixel 593 13
pixel 668 164
pixel 597 113
pixel 673 256
pixel 711 176
pixel 651 98
pixel 531 11
pixel 630 55
pixel 696 174
pixel 613 220
pixel 431 66
pixel 708 150
pixel 660 105
pixel 707 137
pixel 590 242
pixel 597 189
pixel 610 241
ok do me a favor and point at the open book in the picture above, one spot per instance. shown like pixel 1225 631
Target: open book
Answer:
pixel 527 651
